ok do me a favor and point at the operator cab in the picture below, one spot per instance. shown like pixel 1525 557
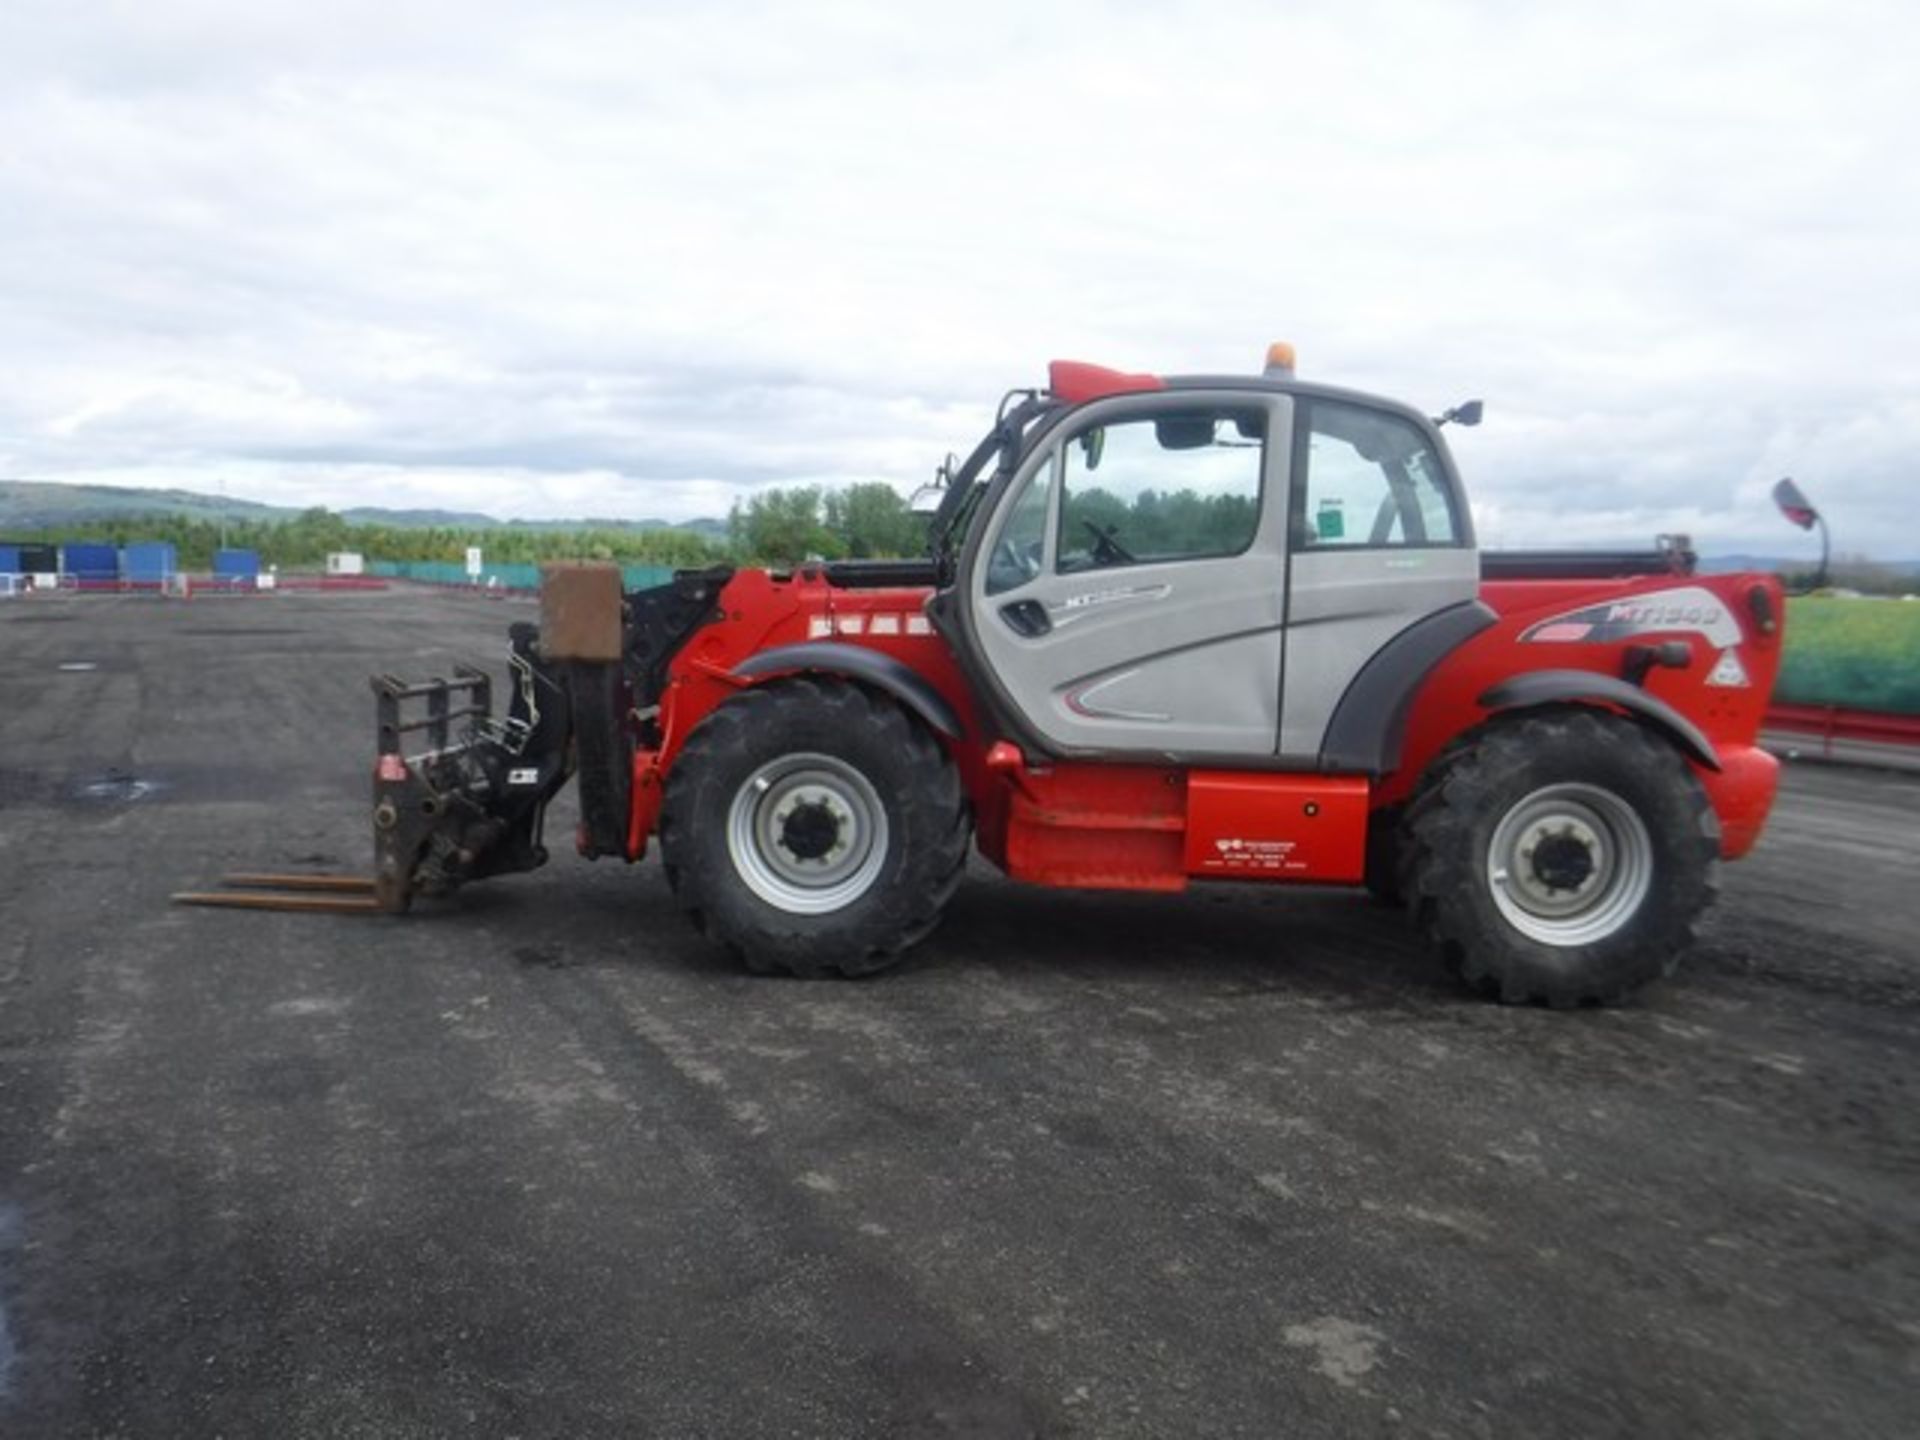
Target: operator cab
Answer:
pixel 1199 569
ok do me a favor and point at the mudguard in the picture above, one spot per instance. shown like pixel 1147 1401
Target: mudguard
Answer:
pixel 1369 725
pixel 1541 687
pixel 857 662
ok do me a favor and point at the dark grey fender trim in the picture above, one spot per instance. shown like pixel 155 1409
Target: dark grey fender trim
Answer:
pixel 1542 687
pixel 857 662
pixel 1370 722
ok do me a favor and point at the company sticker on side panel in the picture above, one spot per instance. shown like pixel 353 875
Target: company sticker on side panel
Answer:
pixel 1687 609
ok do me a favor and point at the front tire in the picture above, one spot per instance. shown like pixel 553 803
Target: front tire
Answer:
pixel 814 827
pixel 1561 858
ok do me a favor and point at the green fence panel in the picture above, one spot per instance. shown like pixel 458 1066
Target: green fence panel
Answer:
pixel 510 577
pixel 1863 654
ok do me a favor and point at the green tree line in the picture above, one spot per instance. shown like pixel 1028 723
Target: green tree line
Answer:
pixel 861 522
pixel 775 527
pixel 305 541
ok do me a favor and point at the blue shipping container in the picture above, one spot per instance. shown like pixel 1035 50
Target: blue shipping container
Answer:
pixel 149 562
pixel 90 563
pixel 39 559
pixel 236 564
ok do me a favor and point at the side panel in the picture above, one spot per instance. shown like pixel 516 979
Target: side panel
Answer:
pixel 1730 643
pixel 1142 827
pixel 1097 827
pixel 1276 827
pixel 1344 607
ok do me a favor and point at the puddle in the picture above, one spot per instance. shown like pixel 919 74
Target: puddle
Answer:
pixel 116 787
pixel 100 788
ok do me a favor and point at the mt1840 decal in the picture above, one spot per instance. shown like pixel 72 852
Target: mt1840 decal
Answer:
pixel 1687 609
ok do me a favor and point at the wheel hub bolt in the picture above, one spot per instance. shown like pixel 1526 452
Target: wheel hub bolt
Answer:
pixel 810 829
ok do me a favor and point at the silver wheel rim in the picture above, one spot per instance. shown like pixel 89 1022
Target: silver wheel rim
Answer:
pixel 807 833
pixel 1570 864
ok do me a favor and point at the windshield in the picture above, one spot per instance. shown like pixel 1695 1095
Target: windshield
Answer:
pixel 998 453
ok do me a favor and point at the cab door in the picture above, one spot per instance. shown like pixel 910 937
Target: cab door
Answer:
pixel 1381 541
pixel 1128 594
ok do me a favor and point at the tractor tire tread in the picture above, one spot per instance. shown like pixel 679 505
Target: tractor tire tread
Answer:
pixel 1442 860
pixel 928 819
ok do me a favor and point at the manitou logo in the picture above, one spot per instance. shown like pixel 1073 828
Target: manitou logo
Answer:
pixel 1238 854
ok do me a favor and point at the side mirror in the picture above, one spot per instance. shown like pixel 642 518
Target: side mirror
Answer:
pixel 926 500
pixel 1468 412
pixel 1798 509
pixel 1794 504
pixel 1093 444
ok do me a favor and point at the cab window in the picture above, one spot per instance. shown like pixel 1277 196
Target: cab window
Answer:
pixel 1018 552
pixel 1367 479
pixel 1175 485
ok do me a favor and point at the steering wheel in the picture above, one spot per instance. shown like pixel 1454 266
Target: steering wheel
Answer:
pixel 1106 549
pixel 1012 565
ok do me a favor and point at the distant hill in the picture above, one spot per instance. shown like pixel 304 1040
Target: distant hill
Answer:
pixel 1725 564
pixel 34 505
pixel 1721 564
pixel 416 519
pixel 712 529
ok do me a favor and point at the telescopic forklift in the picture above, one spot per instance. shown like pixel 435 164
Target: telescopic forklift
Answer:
pixel 1168 630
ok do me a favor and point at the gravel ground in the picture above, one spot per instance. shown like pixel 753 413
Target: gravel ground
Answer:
pixel 539 1162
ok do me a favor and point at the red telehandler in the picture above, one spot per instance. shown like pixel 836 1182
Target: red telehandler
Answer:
pixel 1168 630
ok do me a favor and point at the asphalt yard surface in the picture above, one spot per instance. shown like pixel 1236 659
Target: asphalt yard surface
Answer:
pixel 538 1161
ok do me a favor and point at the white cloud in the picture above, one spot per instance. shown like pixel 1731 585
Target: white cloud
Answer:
pixel 635 259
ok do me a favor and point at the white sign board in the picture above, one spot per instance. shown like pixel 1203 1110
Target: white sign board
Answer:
pixel 473 562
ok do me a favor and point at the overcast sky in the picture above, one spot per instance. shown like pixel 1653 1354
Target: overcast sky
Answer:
pixel 584 258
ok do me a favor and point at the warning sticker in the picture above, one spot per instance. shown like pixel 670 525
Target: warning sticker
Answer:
pixel 1729 671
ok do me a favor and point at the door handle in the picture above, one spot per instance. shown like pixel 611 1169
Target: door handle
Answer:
pixel 1027 618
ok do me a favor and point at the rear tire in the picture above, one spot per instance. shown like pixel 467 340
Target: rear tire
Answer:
pixel 813 827
pixel 1562 858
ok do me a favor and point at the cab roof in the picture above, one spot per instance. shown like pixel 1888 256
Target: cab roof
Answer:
pixel 1076 382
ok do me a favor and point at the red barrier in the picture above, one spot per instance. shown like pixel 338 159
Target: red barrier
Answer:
pixel 245 585
pixel 330 582
pixel 1834 722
